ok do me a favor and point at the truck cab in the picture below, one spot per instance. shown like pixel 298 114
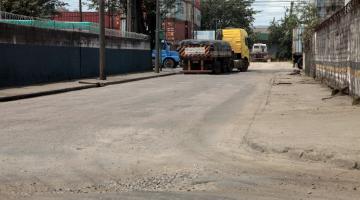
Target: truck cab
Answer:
pixel 259 52
pixel 168 57
pixel 238 39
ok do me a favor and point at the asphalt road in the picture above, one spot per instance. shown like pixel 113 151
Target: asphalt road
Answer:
pixel 178 137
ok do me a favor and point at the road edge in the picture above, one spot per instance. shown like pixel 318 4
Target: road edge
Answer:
pixel 82 87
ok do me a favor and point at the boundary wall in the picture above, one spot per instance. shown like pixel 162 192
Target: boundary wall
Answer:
pixel 30 55
pixel 335 50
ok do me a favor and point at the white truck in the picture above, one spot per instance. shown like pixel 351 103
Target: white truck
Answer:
pixel 297 47
pixel 259 52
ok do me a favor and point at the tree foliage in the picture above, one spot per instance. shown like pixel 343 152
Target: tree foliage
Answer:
pixel 217 14
pixel 281 34
pixel 309 18
pixel 145 12
pixel 34 8
pixel 281 31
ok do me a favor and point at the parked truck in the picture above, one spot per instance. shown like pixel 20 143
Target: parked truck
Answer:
pixel 222 55
pixel 238 39
pixel 205 56
pixel 297 47
pixel 168 57
pixel 259 52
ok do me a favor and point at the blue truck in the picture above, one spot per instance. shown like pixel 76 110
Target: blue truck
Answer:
pixel 168 58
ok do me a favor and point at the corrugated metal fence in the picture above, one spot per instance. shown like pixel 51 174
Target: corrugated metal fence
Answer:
pixel 336 50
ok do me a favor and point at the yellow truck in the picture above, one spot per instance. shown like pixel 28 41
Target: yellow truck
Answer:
pixel 238 39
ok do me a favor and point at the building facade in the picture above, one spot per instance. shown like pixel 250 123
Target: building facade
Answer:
pixel 181 21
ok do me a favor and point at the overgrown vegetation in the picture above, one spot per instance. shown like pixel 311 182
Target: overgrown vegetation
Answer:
pixel 281 30
pixel 281 34
pixel 144 13
pixel 310 20
pixel 231 13
pixel 34 8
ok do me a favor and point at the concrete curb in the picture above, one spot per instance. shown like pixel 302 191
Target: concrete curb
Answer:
pixel 82 87
pixel 337 160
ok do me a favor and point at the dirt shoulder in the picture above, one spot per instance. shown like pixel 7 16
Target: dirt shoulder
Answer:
pixel 302 120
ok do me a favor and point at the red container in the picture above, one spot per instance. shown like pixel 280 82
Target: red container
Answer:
pixel 111 21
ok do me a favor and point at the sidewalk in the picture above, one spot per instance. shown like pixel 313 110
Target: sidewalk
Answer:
pixel 11 94
pixel 302 120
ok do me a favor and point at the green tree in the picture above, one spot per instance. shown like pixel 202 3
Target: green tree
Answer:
pixel 281 34
pixel 217 14
pixel 34 8
pixel 310 19
pixel 145 12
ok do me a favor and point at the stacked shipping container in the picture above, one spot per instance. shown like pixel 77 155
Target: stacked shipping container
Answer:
pixel 182 21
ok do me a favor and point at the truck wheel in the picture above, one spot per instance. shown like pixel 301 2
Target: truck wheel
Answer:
pixel 169 63
pixel 241 66
pixel 246 65
pixel 217 67
pixel 228 66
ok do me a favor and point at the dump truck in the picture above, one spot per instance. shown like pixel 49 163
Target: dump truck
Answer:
pixel 238 39
pixel 205 56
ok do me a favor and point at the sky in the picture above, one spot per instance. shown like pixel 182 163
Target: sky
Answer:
pixel 269 9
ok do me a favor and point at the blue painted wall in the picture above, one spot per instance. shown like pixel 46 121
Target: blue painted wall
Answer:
pixel 27 59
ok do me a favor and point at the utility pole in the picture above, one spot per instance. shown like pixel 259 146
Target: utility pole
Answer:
pixel 157 38
pixel 193 19
pixel 0 9
pixel 291 8
pixel 129 15
pixel 102 41
pixel 80 11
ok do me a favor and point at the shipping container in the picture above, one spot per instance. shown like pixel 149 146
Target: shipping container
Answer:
pixel 297 46
pixel 177 30
pixel 111 21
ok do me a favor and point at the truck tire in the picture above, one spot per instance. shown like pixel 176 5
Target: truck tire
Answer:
pixel 169 63
pixel 217 67
pixel 246 65
pixel 229 66
pixel 241 66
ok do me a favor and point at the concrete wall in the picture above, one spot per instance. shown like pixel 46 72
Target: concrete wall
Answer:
pixel 31 55
pixel 336 47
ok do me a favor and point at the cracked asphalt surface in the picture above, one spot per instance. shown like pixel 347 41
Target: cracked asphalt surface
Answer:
pixel 177 137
